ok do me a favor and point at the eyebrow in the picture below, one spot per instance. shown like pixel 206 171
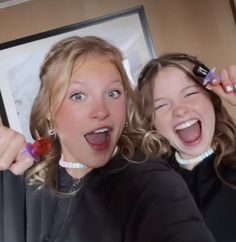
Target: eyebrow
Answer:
pixel 158 99
pixel 76 82
pixel 117 81
pixel 84 81
pixel 184 89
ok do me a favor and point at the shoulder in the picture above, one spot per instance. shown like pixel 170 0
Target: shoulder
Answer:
pixel 165 202
pixel 154 175
pixel 152 167
pixel 157 175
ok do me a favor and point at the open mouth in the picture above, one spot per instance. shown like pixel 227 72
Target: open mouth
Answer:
pixel 189 131
pixel 99 138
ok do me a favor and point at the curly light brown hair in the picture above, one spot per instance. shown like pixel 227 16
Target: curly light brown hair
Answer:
pixel 225 129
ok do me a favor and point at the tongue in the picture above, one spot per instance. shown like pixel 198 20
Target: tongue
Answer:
pixel 190 134
pixel 96 139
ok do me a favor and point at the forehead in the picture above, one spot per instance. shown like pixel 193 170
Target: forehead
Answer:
pixel 92 57
pixel 170 77
pixel 94 62
pixel 170 81
pixel 95 69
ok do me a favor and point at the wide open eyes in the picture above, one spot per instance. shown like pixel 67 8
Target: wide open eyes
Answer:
pixel 114 94
pixel 79 96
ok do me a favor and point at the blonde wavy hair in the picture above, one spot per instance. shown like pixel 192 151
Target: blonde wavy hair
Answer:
pixel 225 129
pixel 55 74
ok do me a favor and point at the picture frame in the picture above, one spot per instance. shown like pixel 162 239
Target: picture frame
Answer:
pixel 233 6
pixel 20 59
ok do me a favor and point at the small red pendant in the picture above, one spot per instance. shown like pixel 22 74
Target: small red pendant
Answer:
pixel 42 146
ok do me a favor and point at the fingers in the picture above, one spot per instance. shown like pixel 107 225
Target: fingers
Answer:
pixel 226 81
pixel 21 164
pixel 11 143
pixel 230 97
pixel 225 85
pixel 232 74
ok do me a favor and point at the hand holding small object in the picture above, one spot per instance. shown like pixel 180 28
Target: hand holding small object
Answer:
pixel 40 147
pixel 10 157
pixel 223 83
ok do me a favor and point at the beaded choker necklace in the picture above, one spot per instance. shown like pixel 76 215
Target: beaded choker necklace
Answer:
pixel 193 160
pixel 71 165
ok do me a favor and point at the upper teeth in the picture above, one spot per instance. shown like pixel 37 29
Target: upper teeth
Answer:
pixel 101 130
pixel 186 124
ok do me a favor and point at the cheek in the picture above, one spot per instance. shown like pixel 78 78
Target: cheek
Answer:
pixel 67 119
pixel 211 119
pixel 118 115
pixel 161 124
pixel 207 111
pixel 119 112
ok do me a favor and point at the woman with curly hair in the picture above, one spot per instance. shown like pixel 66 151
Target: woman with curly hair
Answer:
pixel 181 105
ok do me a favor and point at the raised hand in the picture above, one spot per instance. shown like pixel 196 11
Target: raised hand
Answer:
pixel 225 85
pixel 11 157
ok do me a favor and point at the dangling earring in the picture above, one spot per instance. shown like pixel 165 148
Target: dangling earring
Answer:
pixel 51 130
pixel 126 124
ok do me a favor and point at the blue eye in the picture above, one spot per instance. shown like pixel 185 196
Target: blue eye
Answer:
pixel 78 97
pixel 114 94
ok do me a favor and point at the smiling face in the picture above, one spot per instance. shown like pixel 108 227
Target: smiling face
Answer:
pixel 93 113
pixel 183 113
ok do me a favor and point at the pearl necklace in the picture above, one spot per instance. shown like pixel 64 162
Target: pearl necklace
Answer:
pixel 71 165
pixel 193 160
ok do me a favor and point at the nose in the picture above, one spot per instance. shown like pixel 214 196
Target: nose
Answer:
pixel 100 109
pixel 179 111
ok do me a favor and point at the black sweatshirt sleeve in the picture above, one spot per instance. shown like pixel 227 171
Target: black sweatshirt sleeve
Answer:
pixel 165 210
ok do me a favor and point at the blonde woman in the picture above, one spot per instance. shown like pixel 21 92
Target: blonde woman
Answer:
pixel 89 186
